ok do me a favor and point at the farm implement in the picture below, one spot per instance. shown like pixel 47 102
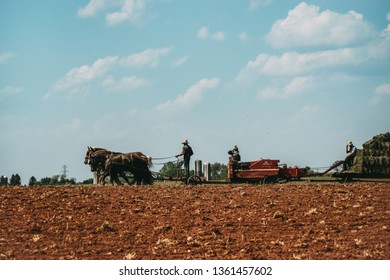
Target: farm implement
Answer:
pixel 180 175
pixel 343 176
pixel 263 171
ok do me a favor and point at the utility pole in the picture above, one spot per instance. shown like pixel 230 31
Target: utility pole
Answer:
pixel 64 171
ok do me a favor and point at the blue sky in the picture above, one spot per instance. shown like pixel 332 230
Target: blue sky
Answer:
pixel 289 80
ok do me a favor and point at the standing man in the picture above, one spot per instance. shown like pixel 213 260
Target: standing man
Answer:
pixel 186 152
pixel 351 150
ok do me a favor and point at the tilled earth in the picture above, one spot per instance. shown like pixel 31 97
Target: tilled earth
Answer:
pixel 291 221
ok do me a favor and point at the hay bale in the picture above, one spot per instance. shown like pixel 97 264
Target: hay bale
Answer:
pixel 376 156
pixel 357 166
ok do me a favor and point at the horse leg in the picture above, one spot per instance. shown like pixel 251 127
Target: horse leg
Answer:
pixel 111 178
pixel 125 178
pixel 148 178
pixel 133 182
pixel 145 174
pixel 114 177
pixel 101 178
pixel 136 179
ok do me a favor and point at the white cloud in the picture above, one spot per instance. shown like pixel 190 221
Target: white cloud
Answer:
pixel 204 33
pixel 81 75
pixel 256 4
pixel 219 36
pixel 6 56
pixel 127 10
pixel 131 10
pixel 129 83
pixel 294 63
pixel 77 81
pixel 180 61
pixel 386 32
pixel 381 92
pixel 297 86
pixel 149 57
pixel 85 73
pixel 305 25
pixel 243 36
pixel 91 8
pixel 193 95
pixel 10 90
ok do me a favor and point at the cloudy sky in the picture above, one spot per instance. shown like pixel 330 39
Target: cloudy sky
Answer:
pixel 289 80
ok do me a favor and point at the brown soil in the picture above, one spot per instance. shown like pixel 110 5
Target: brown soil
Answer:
pixel 300 221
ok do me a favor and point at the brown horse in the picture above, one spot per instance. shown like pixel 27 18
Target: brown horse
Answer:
pixel 96 158
pixel 133 163
pixel 90 152
pixel 137 163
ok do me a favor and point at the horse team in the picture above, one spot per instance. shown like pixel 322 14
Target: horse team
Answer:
pixel 107 163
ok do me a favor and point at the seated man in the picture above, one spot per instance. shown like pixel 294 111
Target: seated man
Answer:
pixel 234 154
pixel 351 150
pixel 234 157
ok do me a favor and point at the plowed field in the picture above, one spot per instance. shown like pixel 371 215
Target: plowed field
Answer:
pixel 291 221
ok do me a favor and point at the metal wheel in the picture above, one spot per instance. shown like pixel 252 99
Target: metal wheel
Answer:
pixel 194 180
pixel 271 179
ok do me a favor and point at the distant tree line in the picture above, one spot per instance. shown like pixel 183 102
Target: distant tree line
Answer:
pixel 15 180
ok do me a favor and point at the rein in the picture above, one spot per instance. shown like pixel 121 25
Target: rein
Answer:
pixel 153 158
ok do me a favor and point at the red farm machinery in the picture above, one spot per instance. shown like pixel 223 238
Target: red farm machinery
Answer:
pixel 263 171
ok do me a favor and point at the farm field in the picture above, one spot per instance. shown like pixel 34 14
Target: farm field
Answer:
pixel 172 221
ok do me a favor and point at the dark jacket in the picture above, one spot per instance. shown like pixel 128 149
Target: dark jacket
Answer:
pixel 187 152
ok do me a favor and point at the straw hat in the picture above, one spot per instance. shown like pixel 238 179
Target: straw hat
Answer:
pixel 185 141
pixel 349 143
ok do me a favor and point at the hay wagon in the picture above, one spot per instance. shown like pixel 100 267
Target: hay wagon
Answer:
pixel 373 161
